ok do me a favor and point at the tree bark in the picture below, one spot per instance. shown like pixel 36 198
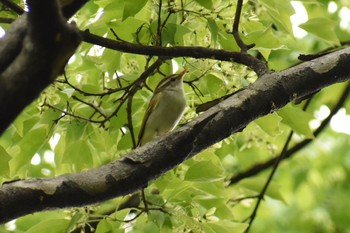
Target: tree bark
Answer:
pixel 33 52
pixel 132 172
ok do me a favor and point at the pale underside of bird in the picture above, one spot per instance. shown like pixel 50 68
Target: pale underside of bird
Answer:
pixel 165 108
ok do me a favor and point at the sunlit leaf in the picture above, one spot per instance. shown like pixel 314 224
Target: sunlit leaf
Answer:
pixel 270 124
pixel 297 119
pixel 4 163
pixel 131 7
pixel 280 12
pixel 50 226
pixel 323 28
pixel 206 3
pixel 214 29
pixel 226 226
pixel 27 147
pixel 204 171
pixel 106 225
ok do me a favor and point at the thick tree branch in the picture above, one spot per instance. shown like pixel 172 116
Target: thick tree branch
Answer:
pixel 33 52
pixel 272 91
pixel 255 64
pixel 69 8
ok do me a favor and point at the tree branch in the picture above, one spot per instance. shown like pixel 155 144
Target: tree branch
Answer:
pixel 69 8
pixel 255 64
pixel 13 6
pixel 290 152
pixel 235 32
pixel 130 173
pixel 33 52
pixel 178 51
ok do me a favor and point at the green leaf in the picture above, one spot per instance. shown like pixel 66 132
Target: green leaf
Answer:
pixel 27 147
pixel 228 42
pixel 74 220
pixel 280 12
pixel 265 40
pixel 270 124
pixel 75 130
pixel 105 226
pixel 111 61
pixel 78 153
pixel 180 32
pixel 206 3
pixel 323 28
pixel 49 116
pixel 204 171
pixel 25 121
pixel 212 85
pixel 148 227
pixel 126 29
pixel 50 226
pixel 225 226
pixel 214 29
pixel 4 163
pixel 297 119
pixel 125 142
pixel 132 7
pixel 111 11
pixel 263 37
pixel 173 33
pixel 256 184
pixel 77 150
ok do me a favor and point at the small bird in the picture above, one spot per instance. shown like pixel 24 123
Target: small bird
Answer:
pixel 165 109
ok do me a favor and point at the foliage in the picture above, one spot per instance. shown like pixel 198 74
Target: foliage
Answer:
pixel 83 121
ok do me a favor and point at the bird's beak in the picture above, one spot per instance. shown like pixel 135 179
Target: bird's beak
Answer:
pixel 183 73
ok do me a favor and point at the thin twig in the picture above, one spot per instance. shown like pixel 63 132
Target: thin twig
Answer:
pixel 6 20
pixel 244 198
pixel 66 113
pixel 129 114
pixel 268 181
pixel 110 91
pixel 235 32
pixel 159 25
pixel 13 6
pixel 116 36
pixel 96 108
pixel 273 171
pixel 263 166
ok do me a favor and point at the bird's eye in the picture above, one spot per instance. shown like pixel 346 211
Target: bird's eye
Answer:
pixel 173 79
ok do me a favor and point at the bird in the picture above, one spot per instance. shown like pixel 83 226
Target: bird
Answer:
pixel 165 108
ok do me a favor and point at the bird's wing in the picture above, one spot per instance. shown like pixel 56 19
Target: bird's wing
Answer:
pixel 153 104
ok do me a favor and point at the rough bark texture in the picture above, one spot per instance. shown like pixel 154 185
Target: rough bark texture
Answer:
pixel 33 52
pixel 270 92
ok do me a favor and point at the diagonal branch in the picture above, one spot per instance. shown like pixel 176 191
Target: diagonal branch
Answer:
pixel 290 152
pixel 130 173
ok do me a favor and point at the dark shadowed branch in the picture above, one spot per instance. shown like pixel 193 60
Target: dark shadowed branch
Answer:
pixel 33 52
